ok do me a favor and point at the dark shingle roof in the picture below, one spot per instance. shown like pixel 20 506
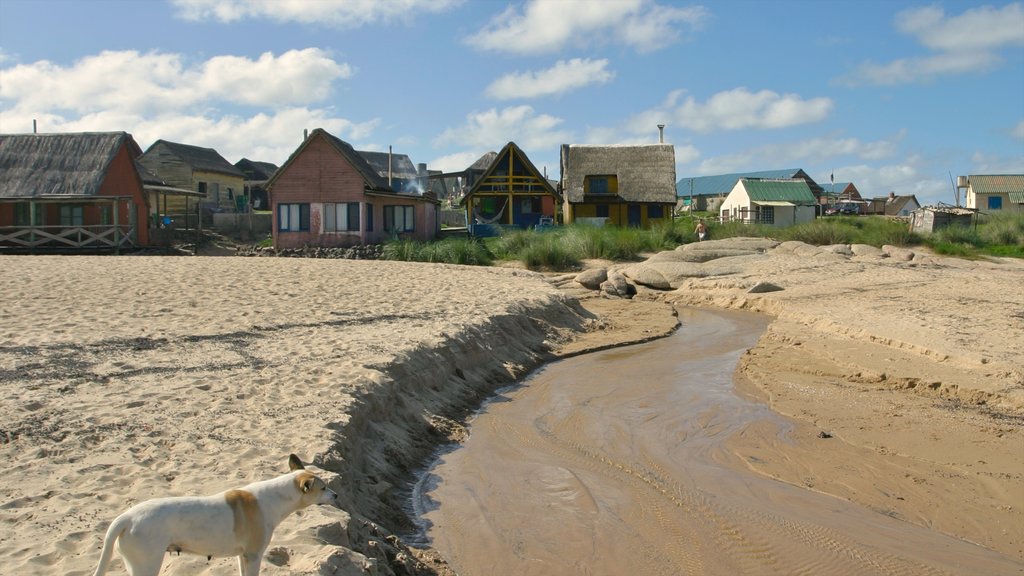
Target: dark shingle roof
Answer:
pixel 256 171
pixel 202 159
pixel 645 173
pixel 40 165
pixel 402 167
pixel 371 179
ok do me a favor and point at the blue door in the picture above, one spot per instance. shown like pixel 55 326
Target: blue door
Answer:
pixel 633 215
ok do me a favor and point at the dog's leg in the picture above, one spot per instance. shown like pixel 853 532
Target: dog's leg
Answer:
pixel 249 564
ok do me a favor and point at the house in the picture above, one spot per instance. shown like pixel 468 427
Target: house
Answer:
pixel 510 192
pixel 990 193
pixel 71 191
pixel 776 202
pixel 221 184
pixel 257 174
pixel 706 193
pixel 398 171
pixel 892 205
pixel 328 195
pixel 619 185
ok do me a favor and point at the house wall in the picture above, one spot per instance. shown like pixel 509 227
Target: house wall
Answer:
pixel 175 172
pixel 122 179
pixel 737 207
pixel 618 213
pixel 981 202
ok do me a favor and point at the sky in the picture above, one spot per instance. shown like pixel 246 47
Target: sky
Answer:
pixel 892 96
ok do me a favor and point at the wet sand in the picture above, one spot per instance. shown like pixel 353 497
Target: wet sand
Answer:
pixel 620 462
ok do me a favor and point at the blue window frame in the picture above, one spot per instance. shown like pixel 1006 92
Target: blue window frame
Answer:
pixel 995 202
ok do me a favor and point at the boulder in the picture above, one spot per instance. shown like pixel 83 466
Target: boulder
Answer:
pixel 762 287
pixel 592 278
pixel 618 286
pixel 898 254
pixel 866 250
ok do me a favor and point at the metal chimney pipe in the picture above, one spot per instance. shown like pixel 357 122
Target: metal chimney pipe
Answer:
pixel 389 166
pixel 34 126
pixel 661 133
pixel 305 134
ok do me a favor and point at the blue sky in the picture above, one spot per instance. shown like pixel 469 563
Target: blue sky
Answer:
pixel 893 96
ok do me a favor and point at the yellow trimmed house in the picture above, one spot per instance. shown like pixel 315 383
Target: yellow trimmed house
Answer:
pixel 511 192
pixel 618 185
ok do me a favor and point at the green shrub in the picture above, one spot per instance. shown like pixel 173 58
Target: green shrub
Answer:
pixel 1003 230
pixel 450 250
pixel 821 232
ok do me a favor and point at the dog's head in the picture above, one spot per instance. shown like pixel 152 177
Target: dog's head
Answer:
pixel 313 489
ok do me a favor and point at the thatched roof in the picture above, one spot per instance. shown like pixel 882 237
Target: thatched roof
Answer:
pixel 371 179
pixel 256 171
pixel 47 165
pixel 645 173
pixel 402 167
pixel 198 158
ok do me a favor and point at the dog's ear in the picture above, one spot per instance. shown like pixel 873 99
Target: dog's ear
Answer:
pixel 294 463
pixel 307 484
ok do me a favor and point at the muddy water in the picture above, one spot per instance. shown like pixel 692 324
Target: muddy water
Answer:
pixel 613 463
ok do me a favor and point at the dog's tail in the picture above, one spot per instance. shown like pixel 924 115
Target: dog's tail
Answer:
pixel 113 533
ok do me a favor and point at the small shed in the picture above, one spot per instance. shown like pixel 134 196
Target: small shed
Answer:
pixel 928 219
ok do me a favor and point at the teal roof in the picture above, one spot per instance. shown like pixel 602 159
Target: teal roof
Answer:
pixel 722 184
pixel 794 191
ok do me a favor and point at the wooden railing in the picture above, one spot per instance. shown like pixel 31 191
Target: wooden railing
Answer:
pixel 105 236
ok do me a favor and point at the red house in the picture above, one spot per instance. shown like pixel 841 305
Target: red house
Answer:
pixel 71 191
pixel 327 194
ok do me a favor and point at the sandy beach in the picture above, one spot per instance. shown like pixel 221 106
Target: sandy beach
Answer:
pixel 133 377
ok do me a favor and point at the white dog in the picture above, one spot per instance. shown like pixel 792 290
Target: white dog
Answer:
pixel 234 523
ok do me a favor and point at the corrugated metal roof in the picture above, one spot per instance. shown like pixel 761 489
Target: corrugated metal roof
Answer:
pixel 795 191
pixel 996 184
pixel 722 184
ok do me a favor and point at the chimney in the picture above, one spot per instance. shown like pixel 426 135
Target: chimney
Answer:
pixel 34 126
pixel 389 166
pixel 305 134
pixel 661 133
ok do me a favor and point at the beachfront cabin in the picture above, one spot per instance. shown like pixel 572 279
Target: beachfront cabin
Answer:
pixel 775 202
pixel 993 193
pixel 706 193
pixel 257 174
pixel 328 195
pixel 220 184
pixel 510 193
pixel 618 185
pixel 75 191
pixel 893 205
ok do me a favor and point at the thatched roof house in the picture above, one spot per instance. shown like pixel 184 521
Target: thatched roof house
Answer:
pixel 622 185
pixel 74 190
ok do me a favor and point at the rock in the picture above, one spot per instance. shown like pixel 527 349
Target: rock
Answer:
pixel 647 275
pixel 592 278
pixel 866 251
pixel 898 254
pixel 740 243
pixel 762 287
pixel 618 286
pixel 841 249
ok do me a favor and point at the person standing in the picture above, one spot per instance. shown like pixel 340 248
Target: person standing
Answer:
pixel 701 230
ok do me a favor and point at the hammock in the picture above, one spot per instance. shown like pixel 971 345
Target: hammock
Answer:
pixel 481 220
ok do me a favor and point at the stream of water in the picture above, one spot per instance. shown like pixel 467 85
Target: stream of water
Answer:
pixel 614 463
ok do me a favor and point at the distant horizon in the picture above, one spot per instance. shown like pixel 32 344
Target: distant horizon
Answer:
pixel 891 96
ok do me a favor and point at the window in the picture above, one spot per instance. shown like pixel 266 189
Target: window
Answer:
pixel 341 217
pixel 656 211
pixel 201 188
pixel 369 217
pixel 995 202
pixel 602 210
pixel 215 192
pixel 70 215
pixel 767 215
pixel 292 217
pixel 601 185
pixel 106 215
pixel 21 215
pixel 530 205
pixel 399 219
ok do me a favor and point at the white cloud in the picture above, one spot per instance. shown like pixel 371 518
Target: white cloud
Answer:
pixel 985 163
pixel 335 13
pixel 564 76
pixel 810 152
pixel 1018 131
pixel 545 26
pixel 456 162
pixel 735 110
pixel 129 81
pixel 967 43
pixel 492 129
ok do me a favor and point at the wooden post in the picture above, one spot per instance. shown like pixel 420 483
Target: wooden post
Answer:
pixel 117 229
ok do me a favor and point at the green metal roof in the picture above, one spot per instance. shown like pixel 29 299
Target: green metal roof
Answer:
pixel 792 191
pixel 996 184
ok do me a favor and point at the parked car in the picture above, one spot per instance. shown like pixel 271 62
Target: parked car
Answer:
pixel 844 208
